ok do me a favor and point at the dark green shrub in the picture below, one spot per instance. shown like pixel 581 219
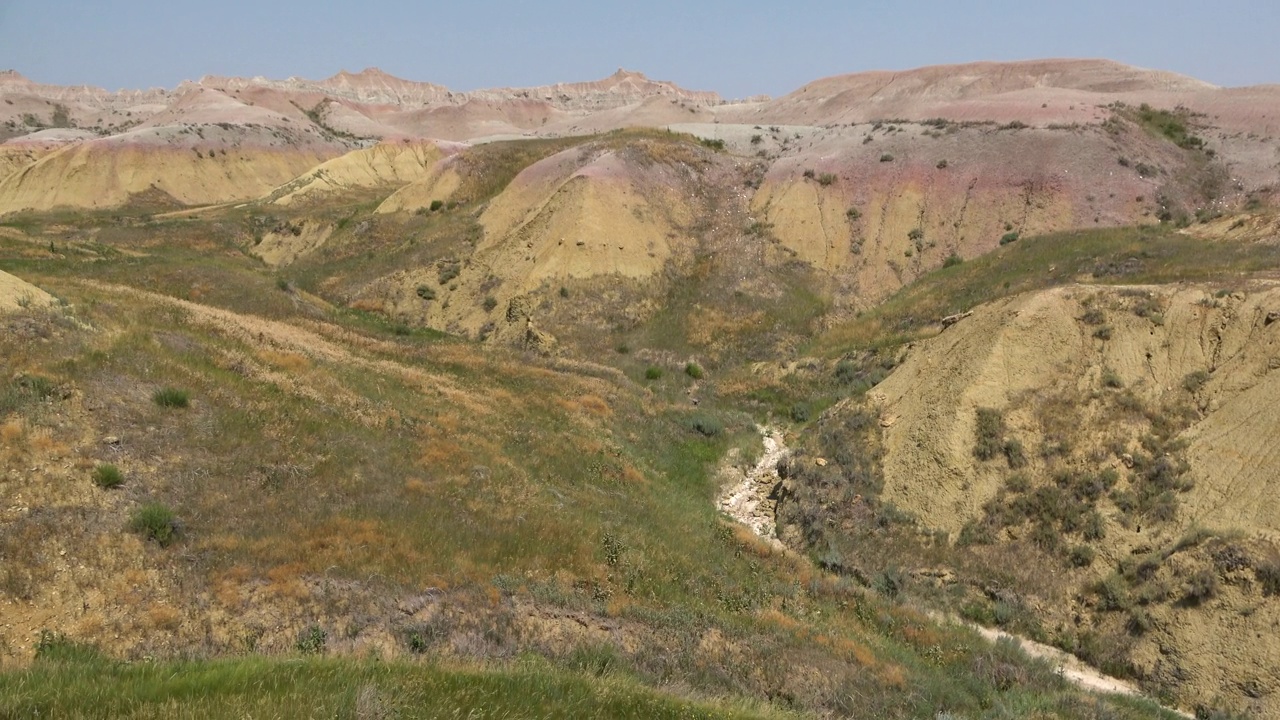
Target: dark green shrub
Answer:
pixel 1009 237
pixel 1111 379
pixel 826 179
pixel 1201 586
pixel 853 214
pixel 989 440
pixel 915 234
pixel 942 164
pixel 490 303
pixel 706 424
pixel 426 292
pixel 1193 382
pixel 757 139
pixel 448 272
pixel 886 158
pixel 1103 333
pixel 58 648
pixel 171 397
pixel 716 145
pixel 564 291
pixel 800 412
pixel 1112 593
pixel 154 521
pixel 107 476
pixel 282 284
pixel 1015 453
pixel 1268 575
pixel 693 370
pixel 436 205
pixel 952 260
pixel 312 640
pixel 1081 556
pixel 809 174
pixel 652 372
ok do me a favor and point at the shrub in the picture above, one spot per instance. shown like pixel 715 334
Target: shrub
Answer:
pixel 1009 237
pixel 853 214
pixel 1081 556
pixel 756 139
pixel 1268 575
pixel 426 292
pixel 436 205
pixel 1193 382
pixel 706 425
pixel 1111 379
pixel 826 179
pixel 800 412
pixel 282 284
pixel 171 397
pixel 915 234
pixel 58 648
pixel 490 303
pixel 886 158
pixel 107 476
pixel 952 260
pixel 809 174
pixel 448 272
pixel 154 521
pixel 989 434
pixel 564 291
pixel 312 640
pixel 716 145
pixel 942 164
pixel 693 370
pixel 1015 453
pixel 1201 586
pixel 1103 333
pixel 652 372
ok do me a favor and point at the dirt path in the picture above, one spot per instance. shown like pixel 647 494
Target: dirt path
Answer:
pixel 746 497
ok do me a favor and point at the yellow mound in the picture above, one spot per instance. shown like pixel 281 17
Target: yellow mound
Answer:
pixel 103 174
pixel 385 164
pixel 16 294
pixel 1015 354
pixel 282 248
pixel 439 184
pixel 903 227
pixel 606 217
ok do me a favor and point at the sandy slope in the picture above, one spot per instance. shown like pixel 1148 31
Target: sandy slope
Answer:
pixel 16 294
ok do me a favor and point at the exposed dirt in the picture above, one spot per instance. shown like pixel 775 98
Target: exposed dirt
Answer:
pixel 16 293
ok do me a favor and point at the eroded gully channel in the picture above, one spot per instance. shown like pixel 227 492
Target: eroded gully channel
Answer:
pixel 749 496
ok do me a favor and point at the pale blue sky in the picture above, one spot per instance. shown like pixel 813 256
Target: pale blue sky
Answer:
pixel 735 48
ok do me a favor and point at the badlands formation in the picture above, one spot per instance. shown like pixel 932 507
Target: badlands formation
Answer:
pixel 1017 321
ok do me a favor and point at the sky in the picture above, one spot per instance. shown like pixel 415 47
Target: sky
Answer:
pixel 738 49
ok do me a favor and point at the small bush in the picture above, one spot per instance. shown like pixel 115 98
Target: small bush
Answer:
pixel 706 425
pixel 1268 575
pixel 989 440
pixel 1201 586
pixel 58 648
pixel 490 303
pixel 1081 556
pixel 757 139
pixel 716 145
pixel 108 476
pixel 826 179
pixel 800 412
pixel 282 284
pixel 952 260
pixel 652 372
pixel 1015 453
pixel 693 370
pixel 915 234
pixel 1009 237
pixel 942 164
pixel 1193 382
pixel 853 214
pixel 436 205
pixel 448 272
pixel 1111 379
pixel 886 158
pixel 312 640
pixel 171 397
pixel 809 174
pixel 154 521
pixel 426 292
pixel 1103 333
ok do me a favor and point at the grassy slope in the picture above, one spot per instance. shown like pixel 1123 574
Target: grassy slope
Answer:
pixel 331 450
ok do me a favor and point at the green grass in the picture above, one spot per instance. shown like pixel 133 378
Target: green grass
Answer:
pixel 260 687
pixel 1144 255
pixel 107 476
pixel 169 397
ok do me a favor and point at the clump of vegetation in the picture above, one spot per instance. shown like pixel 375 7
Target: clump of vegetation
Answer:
pixel 1009 237
pixel 436 205
pixel 156 522
pixel 853 214
pixel 171 397
pixel 942 164
pixel 653 372
pixel 706 424
pixel 887 157
pixel 312 640
pixel 490 303
pixel 426 292
pixel 989 434
pixel 107 476
pixel 1194 382
pixel 1171 124
pixel 826 179
pixel 449 270
pixel 952 260
pixel 693 370
pixel 714 144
